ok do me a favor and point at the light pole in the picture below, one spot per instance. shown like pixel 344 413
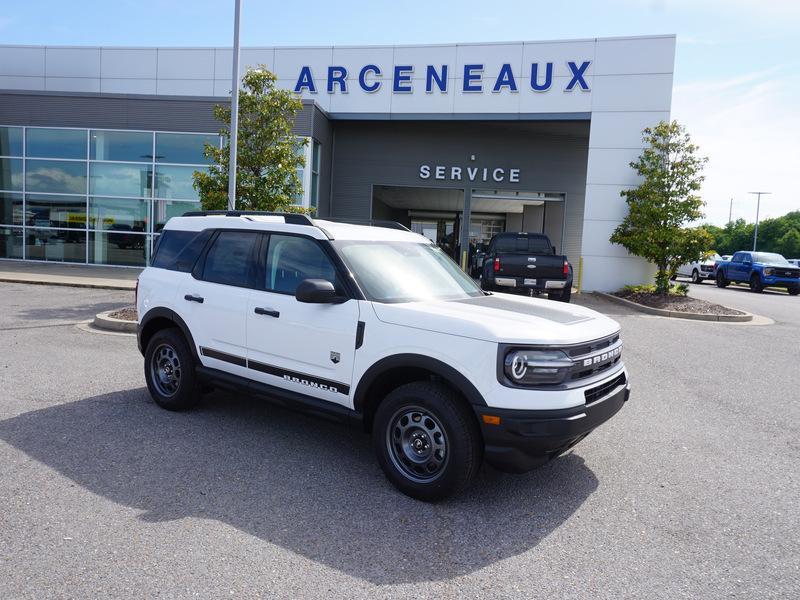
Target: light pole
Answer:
pixel 758 208
pixel 234 109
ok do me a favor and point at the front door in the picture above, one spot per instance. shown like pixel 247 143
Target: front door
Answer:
pixel 307 348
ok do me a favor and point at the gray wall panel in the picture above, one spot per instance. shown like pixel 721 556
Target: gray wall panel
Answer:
pixel 551 156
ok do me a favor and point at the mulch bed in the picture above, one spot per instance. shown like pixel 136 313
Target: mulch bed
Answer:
pixel 126 314
pixel 679 304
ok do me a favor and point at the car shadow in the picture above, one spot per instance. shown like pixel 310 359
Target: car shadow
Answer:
pixel 304 484
pixel 80 312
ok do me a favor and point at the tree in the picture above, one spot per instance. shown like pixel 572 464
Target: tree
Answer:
pixel 664 203
pixel 268 154
pixel 789 244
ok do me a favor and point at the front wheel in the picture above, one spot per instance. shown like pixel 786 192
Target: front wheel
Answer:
pixel 169 371
pixel 755 284
pixel 427 440
pixel 721 281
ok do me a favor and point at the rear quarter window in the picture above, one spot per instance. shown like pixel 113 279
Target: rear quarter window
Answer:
pixel 178 250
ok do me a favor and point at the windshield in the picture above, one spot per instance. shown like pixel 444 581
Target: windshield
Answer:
pixel 522 244
pixel 405 271
pixel 770 257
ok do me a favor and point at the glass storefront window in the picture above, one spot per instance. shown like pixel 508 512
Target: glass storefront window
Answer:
pixel 57 245
pixel 119 179
pixel 118 248
pixel 68 212
pixel 133 146
pixel 10 242
pixel 176 182
pixel 314 199
pixel 118 214
pixel 10 141
pixel 163 210
pixel 56 143
pixel 11 174
pixel 55 176
pixel 185 148
pixel 10 209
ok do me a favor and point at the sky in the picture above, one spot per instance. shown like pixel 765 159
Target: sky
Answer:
pixel 737 65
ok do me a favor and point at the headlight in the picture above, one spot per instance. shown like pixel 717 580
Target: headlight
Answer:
pixel 537 367
pixel 769 271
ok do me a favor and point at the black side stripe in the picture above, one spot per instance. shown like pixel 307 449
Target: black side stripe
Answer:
pixel 239 361
pixel 292 376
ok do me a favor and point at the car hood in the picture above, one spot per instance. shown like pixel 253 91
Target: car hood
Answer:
pixel 503 318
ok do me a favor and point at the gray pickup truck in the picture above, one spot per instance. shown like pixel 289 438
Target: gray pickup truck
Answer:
pixel 525 263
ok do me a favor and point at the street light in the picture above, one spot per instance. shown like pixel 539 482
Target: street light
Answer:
pixel 758 207
pixel 234 109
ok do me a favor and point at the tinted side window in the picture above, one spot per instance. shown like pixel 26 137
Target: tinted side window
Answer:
pixel 292 259
pixel 737 257
pixel 231 259
pixel 178 250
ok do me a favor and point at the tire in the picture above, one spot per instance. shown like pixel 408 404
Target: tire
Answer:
pixel 794 291
pixel 563 296
pixel 721 281
pixel 696 277
pixel 169 371
pixel 755 284
pixel 427 440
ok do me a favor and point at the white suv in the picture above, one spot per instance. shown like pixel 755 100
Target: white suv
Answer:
pixel 374 325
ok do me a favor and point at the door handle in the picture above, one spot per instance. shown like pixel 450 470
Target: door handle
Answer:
pixel 193 298
pixel 270 312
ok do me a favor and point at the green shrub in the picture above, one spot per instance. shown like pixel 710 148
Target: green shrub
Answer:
pixel 679 289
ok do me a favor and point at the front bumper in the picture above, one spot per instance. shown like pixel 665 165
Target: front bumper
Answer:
pixel 773 281
pixel 526 439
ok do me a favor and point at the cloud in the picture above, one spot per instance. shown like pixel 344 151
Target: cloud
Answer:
pixel 749 128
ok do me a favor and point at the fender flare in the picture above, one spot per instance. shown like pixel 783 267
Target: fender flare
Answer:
pixel 166 313
pixel 443 370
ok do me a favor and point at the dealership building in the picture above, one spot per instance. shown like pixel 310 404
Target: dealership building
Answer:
pixel 458 142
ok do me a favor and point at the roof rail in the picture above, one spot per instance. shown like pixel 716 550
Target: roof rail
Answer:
pixel 371 222
pixel 288 218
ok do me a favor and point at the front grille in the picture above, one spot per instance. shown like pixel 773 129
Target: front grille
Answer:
pixel 787 273
pixel 707 268
pixel 594 394
pixel 590 347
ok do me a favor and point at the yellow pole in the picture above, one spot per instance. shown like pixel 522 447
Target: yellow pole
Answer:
pixel 580 274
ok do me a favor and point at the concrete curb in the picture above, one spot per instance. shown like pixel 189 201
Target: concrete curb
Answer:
pixel 104 321
pixel 676 314
pixel 69 283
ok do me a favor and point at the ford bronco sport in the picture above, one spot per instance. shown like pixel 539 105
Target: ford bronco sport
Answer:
pixel 374 325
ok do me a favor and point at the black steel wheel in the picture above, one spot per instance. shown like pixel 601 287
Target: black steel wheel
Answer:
pixel 427 440
pixel 169 370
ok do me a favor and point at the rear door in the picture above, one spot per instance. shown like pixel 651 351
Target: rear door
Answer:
pixel 306 348
pixel 214 301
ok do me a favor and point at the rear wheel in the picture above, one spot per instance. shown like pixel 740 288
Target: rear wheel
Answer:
pixel 794 291
pixel 563 296
pixel 427 441
pixel 169 371
pixel 696 277
pixel 721 281
pixel 755 283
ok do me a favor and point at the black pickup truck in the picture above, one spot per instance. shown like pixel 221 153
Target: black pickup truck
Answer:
pixel 526 262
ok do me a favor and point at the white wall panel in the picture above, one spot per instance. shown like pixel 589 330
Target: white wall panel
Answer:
pixel 621 129
pixel 632 92
pixel 353 59
pixel 603 202
pixel 322 98
pixel 376 102
pixel 180 63
pixel 129 63
pixel 248 57
pixel 608 274
pixel 421 102
pixel 185 87
pixel 491 56
pixel 635 56
pixel 558 53
pixel 421 56
pixel 289 61
pixel 15 60
pixel 72 84
pixel 12 82
pixel 554 100
pixel 596 235
pixel 609 165
pixel 72 62
pixel 128 86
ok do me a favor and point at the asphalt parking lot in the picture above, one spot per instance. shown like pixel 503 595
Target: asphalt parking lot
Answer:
pixel 691 491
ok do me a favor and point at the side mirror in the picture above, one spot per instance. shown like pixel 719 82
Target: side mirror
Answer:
pixel 316 291
pixel 554 249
